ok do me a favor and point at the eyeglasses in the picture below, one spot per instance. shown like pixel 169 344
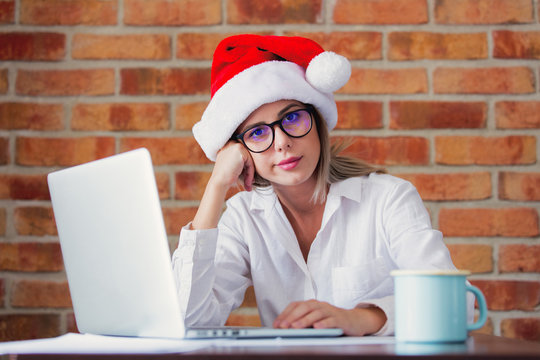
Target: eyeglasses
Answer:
pixel 259 138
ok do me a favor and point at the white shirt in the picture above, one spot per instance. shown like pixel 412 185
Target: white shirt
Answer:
pixel 371 225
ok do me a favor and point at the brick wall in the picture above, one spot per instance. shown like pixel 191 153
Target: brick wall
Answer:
pixel 444 93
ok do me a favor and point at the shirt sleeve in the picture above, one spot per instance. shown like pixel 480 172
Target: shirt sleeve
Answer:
pixel 211 273
pixel 412 242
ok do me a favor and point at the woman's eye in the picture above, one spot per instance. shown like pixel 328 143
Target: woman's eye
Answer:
pixel 256 133
pixel 291 117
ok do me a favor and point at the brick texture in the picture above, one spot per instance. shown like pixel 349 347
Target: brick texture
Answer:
pixel 483 11
pixel 513 222
pixel 510 294
pixel 443 93
pixel 151 47
pixel 32 46
pixel 120 117
pixel 172 12
pixel 37 294
pixel 31 116
pixel 521 328
pixel 422 45
pixel 69 12
pixel 384 12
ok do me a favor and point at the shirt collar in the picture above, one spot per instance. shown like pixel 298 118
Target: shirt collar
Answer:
pixel 265 198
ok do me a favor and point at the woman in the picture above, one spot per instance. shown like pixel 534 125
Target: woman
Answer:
pixel 316 234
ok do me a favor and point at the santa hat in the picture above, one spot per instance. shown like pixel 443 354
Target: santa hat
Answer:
pixel 251 70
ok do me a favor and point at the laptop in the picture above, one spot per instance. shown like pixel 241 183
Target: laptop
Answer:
pixel 117 257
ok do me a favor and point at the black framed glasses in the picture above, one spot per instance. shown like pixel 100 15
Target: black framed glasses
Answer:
pixel 259 138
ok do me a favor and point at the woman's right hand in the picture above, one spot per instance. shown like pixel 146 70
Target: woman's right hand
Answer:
pixel 233 164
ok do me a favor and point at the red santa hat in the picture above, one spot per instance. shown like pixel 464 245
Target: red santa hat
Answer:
pixel 251 70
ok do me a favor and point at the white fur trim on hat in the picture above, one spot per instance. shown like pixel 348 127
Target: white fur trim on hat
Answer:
pixel 247 91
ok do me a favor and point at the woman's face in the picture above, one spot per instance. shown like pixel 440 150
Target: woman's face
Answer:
pixel 289 161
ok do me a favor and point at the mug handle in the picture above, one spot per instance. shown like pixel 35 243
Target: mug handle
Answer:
pixel 482 306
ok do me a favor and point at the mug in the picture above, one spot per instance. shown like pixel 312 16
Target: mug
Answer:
pixel 431 306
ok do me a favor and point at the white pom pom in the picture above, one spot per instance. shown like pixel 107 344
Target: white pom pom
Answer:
pixel 328 71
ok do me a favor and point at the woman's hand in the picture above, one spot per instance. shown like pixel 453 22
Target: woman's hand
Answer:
pixel 233 164
pixel 318 314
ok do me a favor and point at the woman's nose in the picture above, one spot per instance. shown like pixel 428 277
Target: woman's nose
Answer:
pixel 281 139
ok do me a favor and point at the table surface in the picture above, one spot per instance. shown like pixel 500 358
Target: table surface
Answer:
pixel 478 346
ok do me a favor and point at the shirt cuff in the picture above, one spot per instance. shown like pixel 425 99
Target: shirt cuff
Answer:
pixel 200 243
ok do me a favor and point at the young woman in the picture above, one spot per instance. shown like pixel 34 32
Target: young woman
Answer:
pixel 315 233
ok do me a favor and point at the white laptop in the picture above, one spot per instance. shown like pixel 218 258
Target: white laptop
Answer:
pixel 117 256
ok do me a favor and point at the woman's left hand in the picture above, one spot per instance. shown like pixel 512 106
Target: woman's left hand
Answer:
pixel 319 315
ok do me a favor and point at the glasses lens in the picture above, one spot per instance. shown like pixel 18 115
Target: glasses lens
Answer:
pixel 258 138
pixel 297 123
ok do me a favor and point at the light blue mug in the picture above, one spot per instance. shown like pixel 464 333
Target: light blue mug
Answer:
pixel 431 306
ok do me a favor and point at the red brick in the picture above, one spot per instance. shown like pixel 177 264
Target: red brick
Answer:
pixel 29 326
pixel 517 114
pixel 172 12
pixel 508 222
pixel 34 221
pixel 433 46
pixel 437 115
pixel 519 186
pixel 2 222
pixel 509 80
pixel 483 11
pixel 7 12
pixel 392 81
pixel 469 150
pixel 65 82
pixel 30 257
pixel 2 294
pixel 35 294
pixel 476 258
pixel 397 150
pixel 451 186
pixel 179 81
pixel 24 187
pixel 190 185
pixel 71 324
pixel 354 45
pixel 3 81
pixel 69 12
pixel 168 150
pixel 510 294
pixel 516 44
pixel 33 151
pixel 519 258
pixel 31 116
pixel 359 115
pixel 32 46
pixel 274 11
pixel 163 185
pixel 521 328
pixel 120 116
pixel 176 218
pixel 4 151
pixel 138 47
pixel 188 114
pixel 381 12
pixel 198 46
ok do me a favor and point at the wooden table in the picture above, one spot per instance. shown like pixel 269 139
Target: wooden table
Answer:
pixel 478 346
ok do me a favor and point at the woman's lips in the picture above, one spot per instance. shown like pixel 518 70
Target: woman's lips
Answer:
pixel 289 163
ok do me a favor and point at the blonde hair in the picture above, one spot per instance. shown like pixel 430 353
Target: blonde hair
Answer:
pixel 331 167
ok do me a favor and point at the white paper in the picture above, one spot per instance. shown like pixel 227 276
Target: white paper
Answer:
pixel 98 344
